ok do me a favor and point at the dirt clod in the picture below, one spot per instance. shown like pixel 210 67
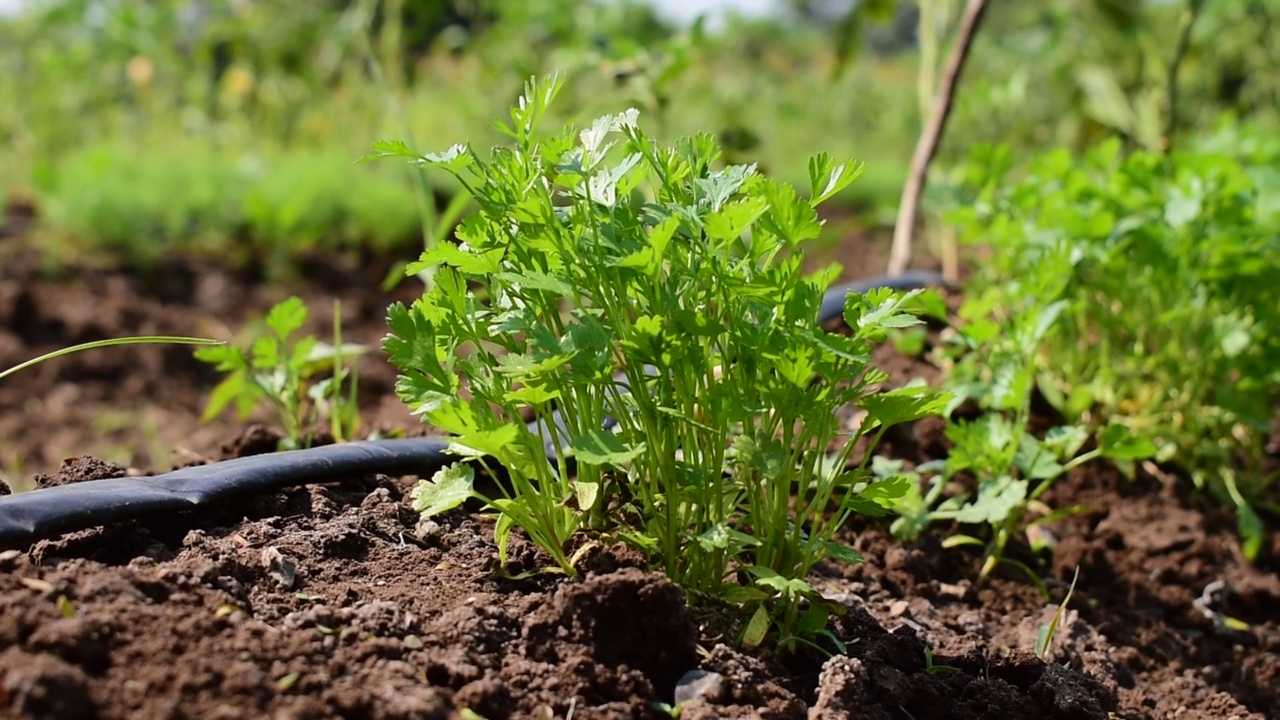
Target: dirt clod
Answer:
pixel 43 687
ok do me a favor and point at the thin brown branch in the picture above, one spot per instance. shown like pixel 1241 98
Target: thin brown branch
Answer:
pixel 905 227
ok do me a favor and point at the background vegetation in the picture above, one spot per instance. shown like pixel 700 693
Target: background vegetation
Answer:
pixel 256 108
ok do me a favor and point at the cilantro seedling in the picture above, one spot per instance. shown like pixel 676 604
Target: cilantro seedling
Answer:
pixel 279 368
pixel 1013 467
pixel 933 668
pixel 648 308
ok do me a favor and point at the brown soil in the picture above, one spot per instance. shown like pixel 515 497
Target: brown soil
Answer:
pixel 334 601
pixel 140 406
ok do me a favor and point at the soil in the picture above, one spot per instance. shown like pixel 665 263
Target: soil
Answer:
pixel 334 601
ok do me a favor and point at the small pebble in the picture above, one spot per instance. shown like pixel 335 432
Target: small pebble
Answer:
pixel 426 529
pixel 958 591
pixel 699 685
pixel 279 567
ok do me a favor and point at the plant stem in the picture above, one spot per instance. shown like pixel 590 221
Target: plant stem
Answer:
pixel 1188 20
pixel 927 31
pixel 426 192
pixel 927 147
pixel 143 340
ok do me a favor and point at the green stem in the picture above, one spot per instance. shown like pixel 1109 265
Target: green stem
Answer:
pixel 1188 20
pixel 995 551
pixel 426 192
pixel 139 340
pixel 926 77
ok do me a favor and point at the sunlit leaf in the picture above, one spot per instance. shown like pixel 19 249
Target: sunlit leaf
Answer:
pixel 1035 461
pixel 905 404
pixel 287 317
pixel 448 488
pixel 601 447
pixel 1065 441
pixel 996 499
pixel 390 149
pixel 491 442
pixel 733 219
pixel 586 492
pixel 827 178
pixel 1118 443
pixel 757 628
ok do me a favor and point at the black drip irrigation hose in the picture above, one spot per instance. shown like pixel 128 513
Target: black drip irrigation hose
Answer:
pixel 30 516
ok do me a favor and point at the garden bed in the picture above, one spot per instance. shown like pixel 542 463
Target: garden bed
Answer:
pixel 333 601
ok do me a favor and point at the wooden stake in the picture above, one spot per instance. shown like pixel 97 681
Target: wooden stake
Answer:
pixel 905 227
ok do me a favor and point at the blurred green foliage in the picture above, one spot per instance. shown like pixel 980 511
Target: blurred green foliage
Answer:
pixel 1075 72
pixel 145 126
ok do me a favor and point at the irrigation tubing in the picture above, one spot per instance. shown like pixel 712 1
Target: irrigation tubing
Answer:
pixel 37 514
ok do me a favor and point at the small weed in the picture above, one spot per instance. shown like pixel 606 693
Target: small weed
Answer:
pixel 66 608
pixel 671 711
pixel 1013 467
pixel 1044 637
pixel 281 369
pixel 934 669
pixel 287 681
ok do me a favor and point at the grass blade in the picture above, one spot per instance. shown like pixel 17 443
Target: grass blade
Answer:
pixel 139 340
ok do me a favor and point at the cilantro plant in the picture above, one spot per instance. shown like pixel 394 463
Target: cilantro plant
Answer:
pixel 649 310
pixel 1165 266
pixel 1012 467
pixel 282 370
